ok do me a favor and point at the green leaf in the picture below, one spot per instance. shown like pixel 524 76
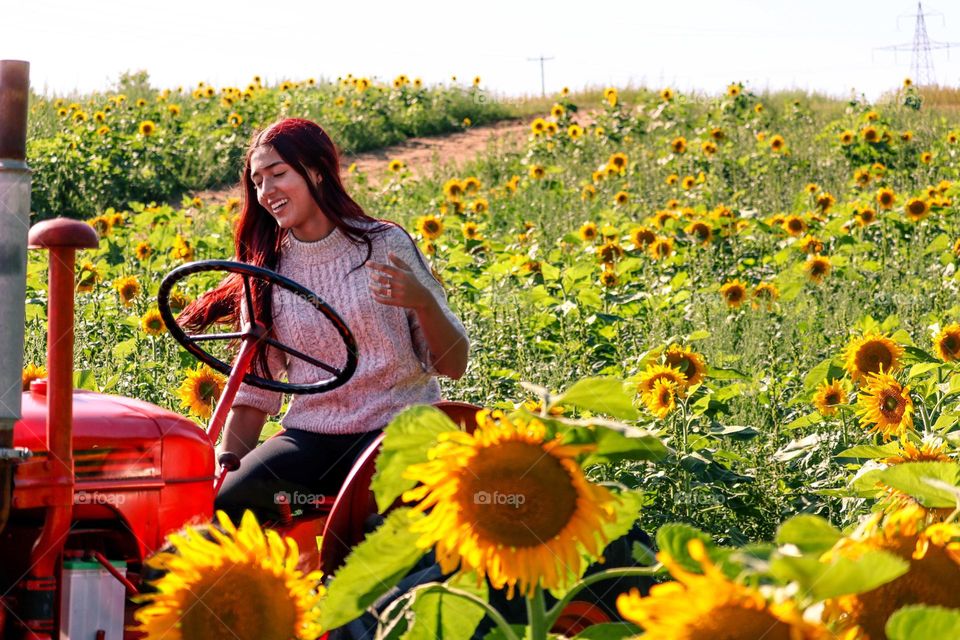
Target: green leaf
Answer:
pixel 438 614
pixel 601 395
pixel 613 447
pixel 673 538
pixel 870 451
pixel 374 567
pixel 407 439
pixel 803 421
pixel 809 533
pixel 921 368
pixel 85 379
pixel 720 373
pixel 821 580
pixel 823 371
pixel 123 349
pixel 918 622
pixel 911 477
pixel 701 334
pixel 609 631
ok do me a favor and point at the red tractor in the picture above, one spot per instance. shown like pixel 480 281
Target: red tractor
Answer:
pixel 90 484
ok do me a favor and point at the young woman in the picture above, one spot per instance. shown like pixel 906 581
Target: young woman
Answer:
pixel 298 220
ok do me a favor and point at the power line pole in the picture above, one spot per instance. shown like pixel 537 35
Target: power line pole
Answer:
pixel 543 85
pixel 921 65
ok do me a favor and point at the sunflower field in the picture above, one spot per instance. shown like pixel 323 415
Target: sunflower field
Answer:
pixel 139 143
pixel 734 318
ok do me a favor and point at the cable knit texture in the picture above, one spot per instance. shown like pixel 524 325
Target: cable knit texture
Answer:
pixel 394 367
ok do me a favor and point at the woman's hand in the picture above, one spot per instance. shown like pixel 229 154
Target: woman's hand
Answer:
pixel 396 285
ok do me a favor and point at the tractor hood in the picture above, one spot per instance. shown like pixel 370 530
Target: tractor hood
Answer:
pixel 116 437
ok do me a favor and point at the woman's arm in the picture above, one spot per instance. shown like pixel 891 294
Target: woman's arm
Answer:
pixel 242 430
pixel 396 285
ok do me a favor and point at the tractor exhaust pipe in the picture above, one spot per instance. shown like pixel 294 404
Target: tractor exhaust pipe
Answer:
pixel 15 223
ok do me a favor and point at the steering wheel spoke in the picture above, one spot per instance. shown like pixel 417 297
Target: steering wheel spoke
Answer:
pixel 249 272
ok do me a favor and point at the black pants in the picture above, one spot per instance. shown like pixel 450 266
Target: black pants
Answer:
pixel 296 466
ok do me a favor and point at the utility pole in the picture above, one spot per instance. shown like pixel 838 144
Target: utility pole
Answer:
pixel 921 65
pixel 543 85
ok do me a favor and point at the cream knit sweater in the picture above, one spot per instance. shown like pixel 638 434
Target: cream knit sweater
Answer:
pixel 394 368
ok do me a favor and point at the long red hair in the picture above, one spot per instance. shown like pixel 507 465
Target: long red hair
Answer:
pixel 307 148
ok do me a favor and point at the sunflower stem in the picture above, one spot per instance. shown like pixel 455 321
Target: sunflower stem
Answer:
pixel 488 608
pixel 608 574
pixel 537 615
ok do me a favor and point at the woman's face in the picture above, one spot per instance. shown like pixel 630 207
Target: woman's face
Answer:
pixel 285 195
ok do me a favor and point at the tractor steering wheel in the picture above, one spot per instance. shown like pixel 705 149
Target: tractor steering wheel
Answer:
pixel 250 332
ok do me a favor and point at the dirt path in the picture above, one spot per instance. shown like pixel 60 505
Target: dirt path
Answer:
pixel 420 155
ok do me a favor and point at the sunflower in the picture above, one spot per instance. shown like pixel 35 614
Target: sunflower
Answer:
pixel 235 119
pixel 430 226
pixel 610 95
pixel 777 143
pixel 885 405
pixel 872 353
pixel 709 148
pixel 734 293
pixel 537 171
pixel 609 251
pixel 30 373
pixel 917 209
pixel 641 237
pixel 214 574
pixel 181 249
pixel 471 231
pixel 846 137
pixel 828 396
pixel 926 157
pixel 679 144
pixel 471 185
pixel 668 373
pixel 930 450
pixel 870 134
pixel 865 216
pixel 758 108
pixel 825 201
pixel 688 182
pixel 699 230
pixel 508 503
pixel 152 323
pixel 128 289
pixel 538 126
pixel 933 578
pixel 660 248
pixel 947 343
pixel 817 268
pixel 557 111
pixel 886 198
pixel 480 205
pixel 734 90
pixel 794 225
pixel 200 390
pixel 453 189
pixel 104 130
pixel 621 198
pixel 588 232
pixel 575 131
pixel 710 606
pixel 688 362
pixel 147 128
pixel 609 277
pixel 88 276
pixel 765 295
pixel 395 166
pixel 861 177
pixel 666 94
pixel 661 400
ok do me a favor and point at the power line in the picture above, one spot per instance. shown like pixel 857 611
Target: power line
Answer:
pixel 921 65
pixel 543 86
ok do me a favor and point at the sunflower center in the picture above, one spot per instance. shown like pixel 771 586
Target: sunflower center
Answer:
pixel 872 356
pixel 208 391
pixel 951 343
pixel 917 208
pixel 211 610
pixel 732 622
pixel 892 406
pixel 516 494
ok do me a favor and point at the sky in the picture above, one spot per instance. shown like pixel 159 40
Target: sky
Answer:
pixel 830 46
